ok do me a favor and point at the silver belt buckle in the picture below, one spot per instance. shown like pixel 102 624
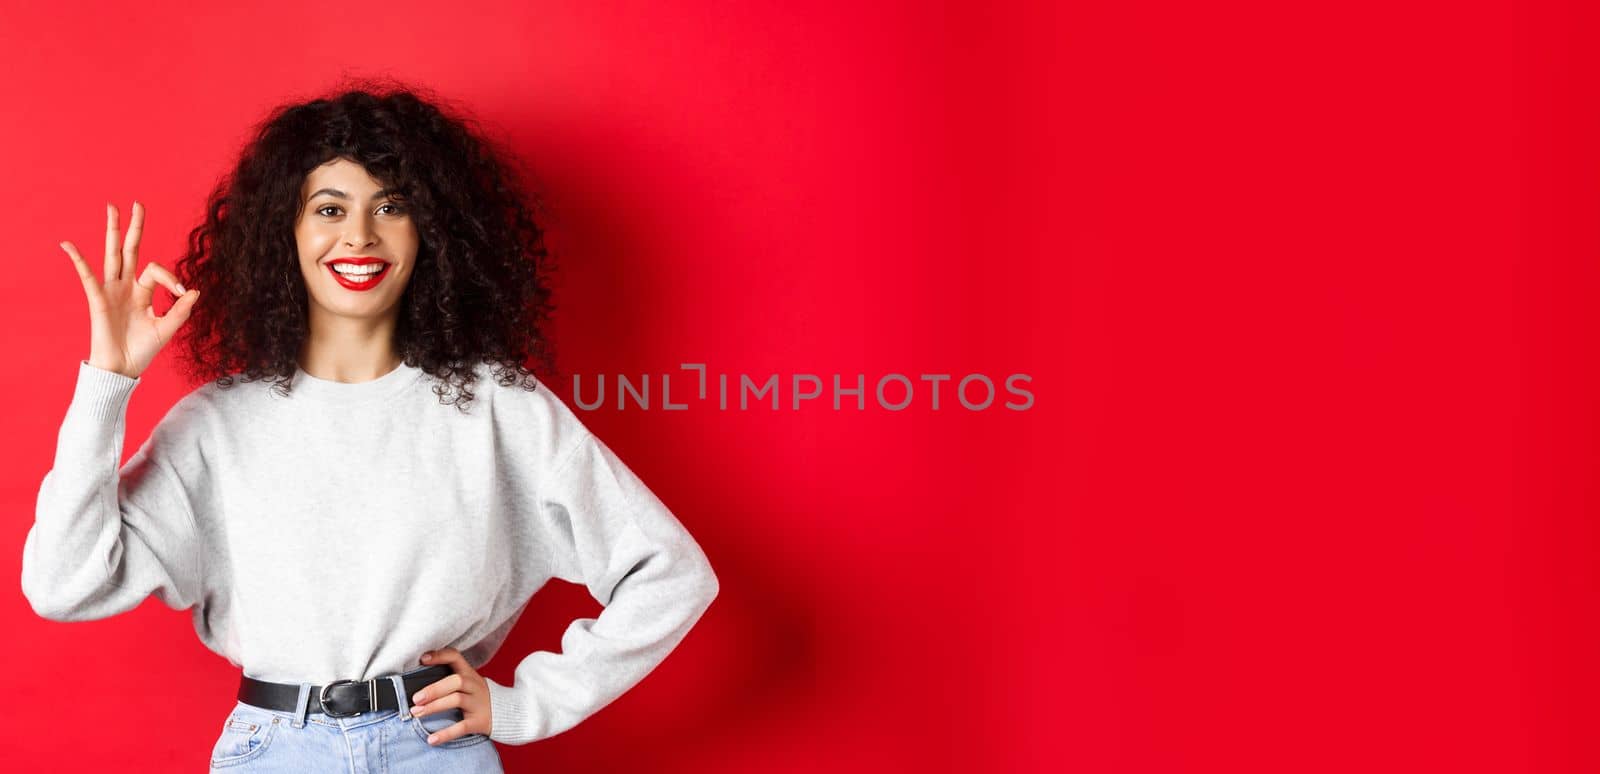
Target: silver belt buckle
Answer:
pixel 372 698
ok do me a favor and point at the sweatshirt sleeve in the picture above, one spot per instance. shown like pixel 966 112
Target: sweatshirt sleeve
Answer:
pixel 104 539
pixel 607 531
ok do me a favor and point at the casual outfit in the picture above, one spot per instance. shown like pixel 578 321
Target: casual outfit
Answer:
pixel 327 538
pixel 258 740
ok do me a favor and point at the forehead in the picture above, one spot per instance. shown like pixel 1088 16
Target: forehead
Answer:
pixel 341 175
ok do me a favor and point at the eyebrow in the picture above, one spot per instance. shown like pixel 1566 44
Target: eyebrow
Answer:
pixel 336 193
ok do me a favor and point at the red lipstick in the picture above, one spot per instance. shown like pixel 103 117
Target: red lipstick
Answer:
pixel 366 282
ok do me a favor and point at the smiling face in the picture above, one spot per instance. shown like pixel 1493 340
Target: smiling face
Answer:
pixel 347 221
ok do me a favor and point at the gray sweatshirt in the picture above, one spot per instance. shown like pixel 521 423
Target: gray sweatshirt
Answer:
pixel 342 531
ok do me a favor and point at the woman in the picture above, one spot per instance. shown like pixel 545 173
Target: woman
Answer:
pixel 361 536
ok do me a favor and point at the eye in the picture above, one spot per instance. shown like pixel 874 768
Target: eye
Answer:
pixel 398 209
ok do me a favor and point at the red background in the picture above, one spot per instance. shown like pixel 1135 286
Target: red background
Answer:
pixel 1306 485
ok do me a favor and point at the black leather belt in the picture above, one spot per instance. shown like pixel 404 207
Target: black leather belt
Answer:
pixel 340 698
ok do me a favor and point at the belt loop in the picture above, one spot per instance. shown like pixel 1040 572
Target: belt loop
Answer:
pixel 300 706
pixel 401 700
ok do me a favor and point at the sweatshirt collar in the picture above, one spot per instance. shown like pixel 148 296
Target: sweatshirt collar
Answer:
pixel 312 388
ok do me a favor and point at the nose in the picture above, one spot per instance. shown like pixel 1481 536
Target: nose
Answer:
pixel 359 235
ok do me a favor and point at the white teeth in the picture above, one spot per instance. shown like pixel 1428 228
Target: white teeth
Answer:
pixel 349 270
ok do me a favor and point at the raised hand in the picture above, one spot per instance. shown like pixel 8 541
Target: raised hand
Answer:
pixel 124 332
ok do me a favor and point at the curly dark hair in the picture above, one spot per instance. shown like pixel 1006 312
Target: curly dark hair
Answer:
pixel 479 292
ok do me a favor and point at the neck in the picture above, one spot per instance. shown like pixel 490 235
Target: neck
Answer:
pixel 350 350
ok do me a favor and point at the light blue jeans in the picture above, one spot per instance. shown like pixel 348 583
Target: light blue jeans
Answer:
pixel 268 741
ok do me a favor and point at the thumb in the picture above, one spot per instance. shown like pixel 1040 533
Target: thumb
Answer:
pixel 175 317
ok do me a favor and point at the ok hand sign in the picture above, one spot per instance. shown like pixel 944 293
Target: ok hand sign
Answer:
pixel 124 332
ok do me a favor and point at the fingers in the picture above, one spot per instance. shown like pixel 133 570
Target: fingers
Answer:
pixel 144 289
pixel 445 656
pixel 457 729
pixel 458 663
pixel 441 687
pixel 451 693
pixel 167 325
pixel 91 287
pixel 130 243
pixel 113 251
pixel 448 701
pixel 460 689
